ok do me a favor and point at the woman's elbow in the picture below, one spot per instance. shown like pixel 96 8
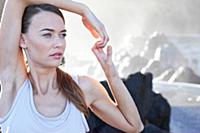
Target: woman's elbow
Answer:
pixel 140 127
pixel 136 129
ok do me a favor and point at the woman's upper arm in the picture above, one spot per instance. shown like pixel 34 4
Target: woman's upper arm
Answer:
pixel 10 30
pixel 101 104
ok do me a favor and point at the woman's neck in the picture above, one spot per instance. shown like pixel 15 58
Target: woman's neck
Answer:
pixel 43 80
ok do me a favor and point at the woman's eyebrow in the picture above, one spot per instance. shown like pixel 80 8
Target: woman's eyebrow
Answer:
pixel 47 29
pixel 51 30
pixel 63 30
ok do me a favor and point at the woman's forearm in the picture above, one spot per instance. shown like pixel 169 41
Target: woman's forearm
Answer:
pixel 67 5
pixel 124 101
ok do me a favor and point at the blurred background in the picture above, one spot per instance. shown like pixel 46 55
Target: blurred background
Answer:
pixel 157 36
pixel 162 34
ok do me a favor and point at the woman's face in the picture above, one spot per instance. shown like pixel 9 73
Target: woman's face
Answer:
pixel 45 40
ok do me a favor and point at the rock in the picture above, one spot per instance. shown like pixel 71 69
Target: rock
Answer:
pixel 149 128
pixel 162 61
pixel 165 76
pixel 159 113
pixel 140 87
pixel 136 63
pixel 154 67
pixel 170 57
pixel 156 40
pixel 185 74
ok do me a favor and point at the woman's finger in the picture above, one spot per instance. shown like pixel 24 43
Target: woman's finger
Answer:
pixel 100 55
pixel 96 53
pixel 103 42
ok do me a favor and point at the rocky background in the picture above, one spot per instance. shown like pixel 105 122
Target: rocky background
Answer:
pixel 160 37
pixel 169 58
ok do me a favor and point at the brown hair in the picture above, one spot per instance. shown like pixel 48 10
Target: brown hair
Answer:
pixel 65 82
pixel 71 90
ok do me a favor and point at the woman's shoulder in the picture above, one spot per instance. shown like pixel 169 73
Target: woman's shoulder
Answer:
pixel 89 86
pixel 84 82
pixel 87 82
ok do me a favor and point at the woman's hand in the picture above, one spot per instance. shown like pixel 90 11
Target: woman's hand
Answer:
pixel 97 29
pixel 105 60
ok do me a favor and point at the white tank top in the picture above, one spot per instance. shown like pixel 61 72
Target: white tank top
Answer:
pixel 24 118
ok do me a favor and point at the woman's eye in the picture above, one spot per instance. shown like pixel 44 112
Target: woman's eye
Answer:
pixel 63 35
pixel 48 35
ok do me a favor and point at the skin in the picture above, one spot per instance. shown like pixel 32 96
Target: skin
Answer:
pixel 38 46
pixel 44 38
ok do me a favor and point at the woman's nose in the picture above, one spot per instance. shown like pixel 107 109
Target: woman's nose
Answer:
pixel 58 42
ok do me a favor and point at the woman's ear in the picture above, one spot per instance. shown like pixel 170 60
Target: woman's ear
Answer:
pixel 22 42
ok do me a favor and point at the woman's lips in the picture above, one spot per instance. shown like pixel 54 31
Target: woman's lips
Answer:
pixel 57 56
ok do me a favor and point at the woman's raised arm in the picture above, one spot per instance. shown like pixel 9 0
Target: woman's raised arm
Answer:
pixel 10 28
pixel 90 21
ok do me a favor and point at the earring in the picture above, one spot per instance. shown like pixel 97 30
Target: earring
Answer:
pixel 27 66
pixel 62 61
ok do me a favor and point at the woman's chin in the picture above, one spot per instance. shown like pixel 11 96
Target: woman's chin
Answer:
pixel 54 64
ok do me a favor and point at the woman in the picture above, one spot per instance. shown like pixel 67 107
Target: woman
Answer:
pixel 46 99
